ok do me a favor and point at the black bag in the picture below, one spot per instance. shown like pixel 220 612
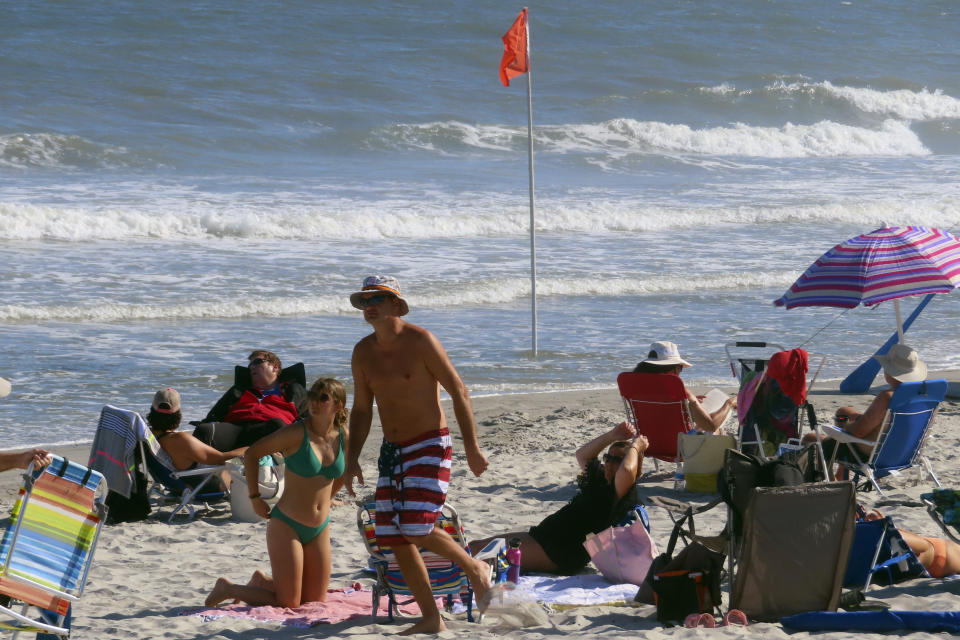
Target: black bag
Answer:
pixel 134 508
pixel 685 584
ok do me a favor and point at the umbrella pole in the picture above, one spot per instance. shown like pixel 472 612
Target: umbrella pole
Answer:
pixel 896 309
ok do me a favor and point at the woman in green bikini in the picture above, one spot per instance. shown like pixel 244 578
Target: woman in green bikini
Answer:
pixel 298 539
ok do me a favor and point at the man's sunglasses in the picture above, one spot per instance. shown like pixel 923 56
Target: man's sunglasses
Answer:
pixel 373 301
pixel 609 458
pixel 257 362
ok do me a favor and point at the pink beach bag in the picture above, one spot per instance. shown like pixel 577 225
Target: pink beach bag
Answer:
pixel 622 554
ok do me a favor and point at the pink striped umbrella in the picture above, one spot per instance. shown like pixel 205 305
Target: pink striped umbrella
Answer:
pixel 885 264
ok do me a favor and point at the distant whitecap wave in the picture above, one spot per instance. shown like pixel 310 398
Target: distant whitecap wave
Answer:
pixel 624 136
pixel 494 291
pixel 903 104
pixel 55 151
pixel 446 217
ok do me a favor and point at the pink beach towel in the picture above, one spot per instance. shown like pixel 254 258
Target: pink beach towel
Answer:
pixel 341 604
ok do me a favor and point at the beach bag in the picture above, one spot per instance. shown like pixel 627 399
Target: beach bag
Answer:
pixel 685 584
pixel 623 554
pixel 137 506
pixel 702 458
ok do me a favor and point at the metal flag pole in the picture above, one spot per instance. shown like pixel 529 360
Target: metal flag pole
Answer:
pixel 533 236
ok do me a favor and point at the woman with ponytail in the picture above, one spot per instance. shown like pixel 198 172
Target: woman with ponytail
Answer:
pixel 298 538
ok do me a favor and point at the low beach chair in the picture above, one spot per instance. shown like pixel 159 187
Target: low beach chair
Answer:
pixel 880 555
pixel 749 357
pixel 171 486
pixel 46 552
pixel 900 445
pixel 168 483
pixel 771 420
pixel 656 404
pixel 446 578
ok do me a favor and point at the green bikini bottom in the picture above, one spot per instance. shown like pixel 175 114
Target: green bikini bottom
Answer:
pixel 304 533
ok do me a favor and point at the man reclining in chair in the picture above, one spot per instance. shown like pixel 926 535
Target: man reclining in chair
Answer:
pixel 607 491
pixel 900 364
pixel 250 411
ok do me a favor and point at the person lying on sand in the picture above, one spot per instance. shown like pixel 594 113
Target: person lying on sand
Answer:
pixel 607 491
pixel 298 535
pixel 941 558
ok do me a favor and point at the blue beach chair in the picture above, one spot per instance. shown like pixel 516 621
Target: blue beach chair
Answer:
pixel 880 554
pixel 912 410
pixel 45 554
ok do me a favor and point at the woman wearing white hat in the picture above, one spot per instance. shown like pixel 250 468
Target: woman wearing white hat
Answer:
pixel 900 364
pixel 664 357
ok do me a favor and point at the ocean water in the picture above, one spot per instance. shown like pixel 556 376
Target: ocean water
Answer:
pixel 182 182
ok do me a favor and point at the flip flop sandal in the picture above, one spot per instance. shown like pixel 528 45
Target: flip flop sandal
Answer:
pixel 735 617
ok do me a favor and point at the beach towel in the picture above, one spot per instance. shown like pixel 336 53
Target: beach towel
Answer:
pixel 933 621
pixel 578 590
pixel 341 604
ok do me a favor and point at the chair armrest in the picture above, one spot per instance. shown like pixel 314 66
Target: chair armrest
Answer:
pixel 492 550
pixel 843 436
pixel 199 471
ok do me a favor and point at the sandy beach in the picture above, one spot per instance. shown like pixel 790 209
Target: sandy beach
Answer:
pixel 146 574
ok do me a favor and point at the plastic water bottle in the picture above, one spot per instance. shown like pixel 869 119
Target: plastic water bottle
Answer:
pixel 513 557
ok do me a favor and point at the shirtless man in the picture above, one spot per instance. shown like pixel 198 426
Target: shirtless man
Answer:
pixel 402 367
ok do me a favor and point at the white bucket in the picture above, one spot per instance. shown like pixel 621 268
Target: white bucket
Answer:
pixel 270 488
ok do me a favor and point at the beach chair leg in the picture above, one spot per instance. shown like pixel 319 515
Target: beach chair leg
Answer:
pixel 929 470
pixel 468 597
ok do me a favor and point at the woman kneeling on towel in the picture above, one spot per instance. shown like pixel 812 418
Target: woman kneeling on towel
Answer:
pixel 607 492
pixel 298 538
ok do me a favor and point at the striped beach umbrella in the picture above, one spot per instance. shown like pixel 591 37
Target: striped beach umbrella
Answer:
pixel 885 264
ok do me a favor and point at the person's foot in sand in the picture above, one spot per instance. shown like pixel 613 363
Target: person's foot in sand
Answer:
pixel 220 592
pixel 426 625
pixel 480 582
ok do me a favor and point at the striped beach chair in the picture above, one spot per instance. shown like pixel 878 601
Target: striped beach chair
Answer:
pixel 446 578
pixel 46 551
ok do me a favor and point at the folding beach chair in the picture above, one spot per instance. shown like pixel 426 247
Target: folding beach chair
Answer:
pixel 909 417
pixel 794 552
pixel 749 357
pixel 45 554
pixel 446 577
pixel 172 486
pixel 169 485
pixel 656 404
pixel 771 420
pixel 880 554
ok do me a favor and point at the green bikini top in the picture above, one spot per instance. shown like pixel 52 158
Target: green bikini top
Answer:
pixel 304 461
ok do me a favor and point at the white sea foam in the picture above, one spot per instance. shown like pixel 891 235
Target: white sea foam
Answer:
pixel 50 150
pixel 494 291
pixel 443 217
pixel 898 103
pixel 624 136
